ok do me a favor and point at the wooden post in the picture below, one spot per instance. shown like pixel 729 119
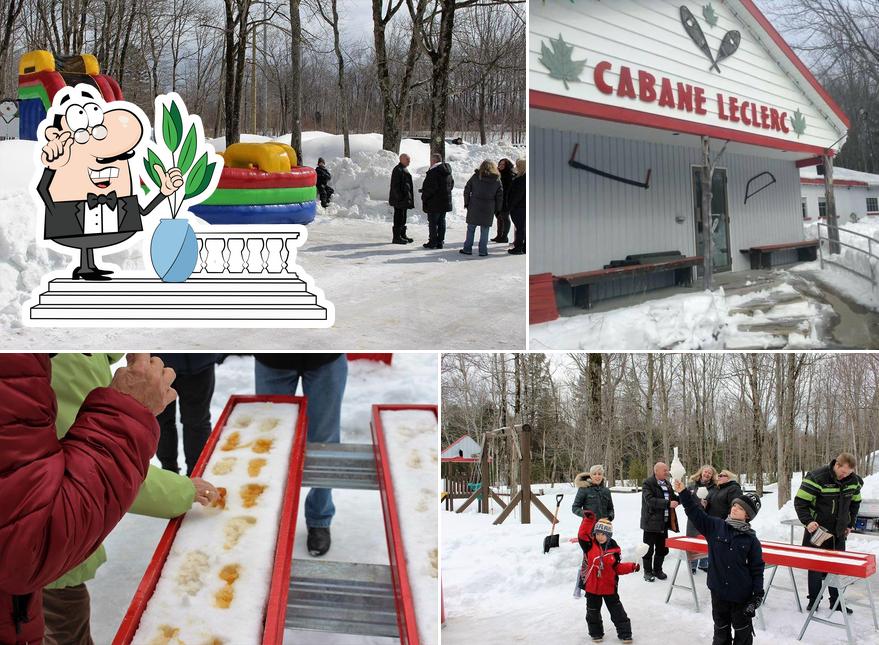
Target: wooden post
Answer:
pixel 525 472
pixel 832 222
pixel 483 458
pixel 512 467
pixel 706 176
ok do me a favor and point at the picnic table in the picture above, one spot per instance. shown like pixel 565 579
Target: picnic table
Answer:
pixel 844 570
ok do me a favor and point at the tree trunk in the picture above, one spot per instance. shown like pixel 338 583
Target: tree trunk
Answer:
pixel 296 79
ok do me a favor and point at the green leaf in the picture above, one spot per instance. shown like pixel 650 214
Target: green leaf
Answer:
pixel 798 121
pixel 187 151
pixel 194 179
pixel 170 133
pixel 152 159
pixel 177 118
pixel 205 182
pixel 709 15
pixel 559 63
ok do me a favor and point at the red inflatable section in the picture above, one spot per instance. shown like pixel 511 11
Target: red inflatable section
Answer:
pixel 114 87
pixel 381 358
pixel 298 177
pixel 52 82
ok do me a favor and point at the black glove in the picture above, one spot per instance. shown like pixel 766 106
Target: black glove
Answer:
pixel 751 607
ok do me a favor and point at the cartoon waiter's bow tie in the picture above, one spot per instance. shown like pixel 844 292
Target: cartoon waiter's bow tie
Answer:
pixel 109 200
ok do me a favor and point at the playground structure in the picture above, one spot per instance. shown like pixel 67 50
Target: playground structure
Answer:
pixel 507 445
pixel 41 75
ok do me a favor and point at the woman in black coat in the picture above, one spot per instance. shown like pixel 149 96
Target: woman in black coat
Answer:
pixel 720 499
pixel 516 204
pixel 593 494
pixel 505 167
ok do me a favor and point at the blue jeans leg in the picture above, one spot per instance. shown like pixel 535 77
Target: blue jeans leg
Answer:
pixel 468 241
pixel 483 239
pixel 324 387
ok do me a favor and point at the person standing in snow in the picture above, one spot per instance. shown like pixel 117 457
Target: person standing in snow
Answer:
pixel 483 197
pixel 323 381
pixel 505 168
pixel 401 198
pixel 324 190
pixel 66 601
pixel 599 577
pixel 436 198
pixel 735 577
pixel 720 498
pixel 517 204
pixel 706 478
pixel 593 494
pixel 658 503
pixel 195 389
pixel 829 498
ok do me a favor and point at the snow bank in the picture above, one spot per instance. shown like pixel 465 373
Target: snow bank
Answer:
pixel 532 593
pixel 362 181
pixel 703 320
pixel 857 288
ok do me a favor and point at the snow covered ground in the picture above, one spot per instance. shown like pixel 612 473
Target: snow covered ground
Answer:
pixel 700 320
pixel 358 531
pixel 499 587
pixel 386 296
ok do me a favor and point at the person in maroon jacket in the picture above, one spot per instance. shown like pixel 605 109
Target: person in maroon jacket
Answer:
pixel 60 499
pixel 599 577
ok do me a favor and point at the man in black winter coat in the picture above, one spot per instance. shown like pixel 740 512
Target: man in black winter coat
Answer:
pixel 401 198
pixel 195 389
pixel 658 503
pixel 324 190
pixel 436 198
pixel 735 577
pixel 829 497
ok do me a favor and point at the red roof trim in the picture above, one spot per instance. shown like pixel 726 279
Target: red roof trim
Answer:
pixel 456 442
pixel 782 44
pixel 465 460
pixel 836 182
pixel 579 107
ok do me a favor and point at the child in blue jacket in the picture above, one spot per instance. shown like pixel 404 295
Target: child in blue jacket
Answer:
pixel 735 574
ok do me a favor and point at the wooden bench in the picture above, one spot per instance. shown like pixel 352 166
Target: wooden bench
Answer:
pixel 580 283
pixel 807 251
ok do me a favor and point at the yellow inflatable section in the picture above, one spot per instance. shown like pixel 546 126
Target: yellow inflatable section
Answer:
pixel 268 157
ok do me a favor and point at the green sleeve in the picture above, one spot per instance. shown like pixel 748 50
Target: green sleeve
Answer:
pixel 164 494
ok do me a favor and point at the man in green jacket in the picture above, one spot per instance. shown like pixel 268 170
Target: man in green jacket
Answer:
pixel 829 498
pixel 163 494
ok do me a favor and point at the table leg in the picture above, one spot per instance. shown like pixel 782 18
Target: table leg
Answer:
pixel 872 604
pixel 793 580
pixel 672 585
pixel 813 609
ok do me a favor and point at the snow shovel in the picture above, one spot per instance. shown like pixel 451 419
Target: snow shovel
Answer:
pixel 552 540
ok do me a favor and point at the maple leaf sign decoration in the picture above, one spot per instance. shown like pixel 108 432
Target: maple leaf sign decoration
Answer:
pixel 558 61
pixel 799 123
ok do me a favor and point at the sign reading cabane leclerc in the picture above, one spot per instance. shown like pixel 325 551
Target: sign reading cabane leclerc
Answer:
pixel 715 68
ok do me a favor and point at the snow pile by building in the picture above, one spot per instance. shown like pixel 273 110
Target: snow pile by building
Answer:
pixel 701 320
pixel 864 236
pixel 532 593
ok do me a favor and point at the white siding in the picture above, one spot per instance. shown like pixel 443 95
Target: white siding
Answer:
pixel 580 221
pixel 849 199
pixel 648 35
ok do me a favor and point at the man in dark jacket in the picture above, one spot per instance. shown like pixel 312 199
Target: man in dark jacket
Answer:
pixel 517 205
pixel 324 190
pixel 436 198
pixel 65 496
pixel 323 382
pixel 593 494
pixel 829 498
pixel 658 503
pixel 195 389
pixel 401 198
pixel 735 577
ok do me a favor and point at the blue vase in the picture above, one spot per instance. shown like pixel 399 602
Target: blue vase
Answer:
pixel 174 250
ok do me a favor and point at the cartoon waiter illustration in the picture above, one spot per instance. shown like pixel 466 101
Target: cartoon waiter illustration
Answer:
pixel 87 184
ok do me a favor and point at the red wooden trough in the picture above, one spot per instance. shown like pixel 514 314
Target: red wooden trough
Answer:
pixel 276 606
pixel 844 563
pixel 399 576
pixel 380 358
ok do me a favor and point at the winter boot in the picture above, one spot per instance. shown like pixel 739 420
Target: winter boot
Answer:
pixel 837 606
pixel 318 541
pixel 398 238
pixel 657 567
pixel 648 571
pixel 409 240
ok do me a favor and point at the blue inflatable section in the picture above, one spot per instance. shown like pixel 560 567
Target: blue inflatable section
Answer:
pixel 30 113
pixel 302 213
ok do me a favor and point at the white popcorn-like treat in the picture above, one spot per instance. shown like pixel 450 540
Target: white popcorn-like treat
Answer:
pixel 215 582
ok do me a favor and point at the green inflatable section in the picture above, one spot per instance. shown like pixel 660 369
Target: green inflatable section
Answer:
pixel 260 196
pixel 34 92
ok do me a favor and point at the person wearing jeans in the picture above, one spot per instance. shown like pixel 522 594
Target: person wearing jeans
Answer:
pixel 483 197
pixel 323 382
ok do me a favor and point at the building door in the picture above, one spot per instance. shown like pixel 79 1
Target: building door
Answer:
pixel 721 256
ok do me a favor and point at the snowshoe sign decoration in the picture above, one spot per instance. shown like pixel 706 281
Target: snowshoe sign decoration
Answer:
pixel 728 46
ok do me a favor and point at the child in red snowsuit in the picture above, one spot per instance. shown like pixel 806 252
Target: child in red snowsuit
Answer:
pixel 599 577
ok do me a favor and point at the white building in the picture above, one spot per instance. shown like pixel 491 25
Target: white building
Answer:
pixel 856 193
pixel 628 88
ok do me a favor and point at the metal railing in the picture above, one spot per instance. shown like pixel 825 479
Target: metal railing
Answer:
pixel 868 252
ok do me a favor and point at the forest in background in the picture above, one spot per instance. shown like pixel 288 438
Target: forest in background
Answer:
pixel 761 415
pixel 432 68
